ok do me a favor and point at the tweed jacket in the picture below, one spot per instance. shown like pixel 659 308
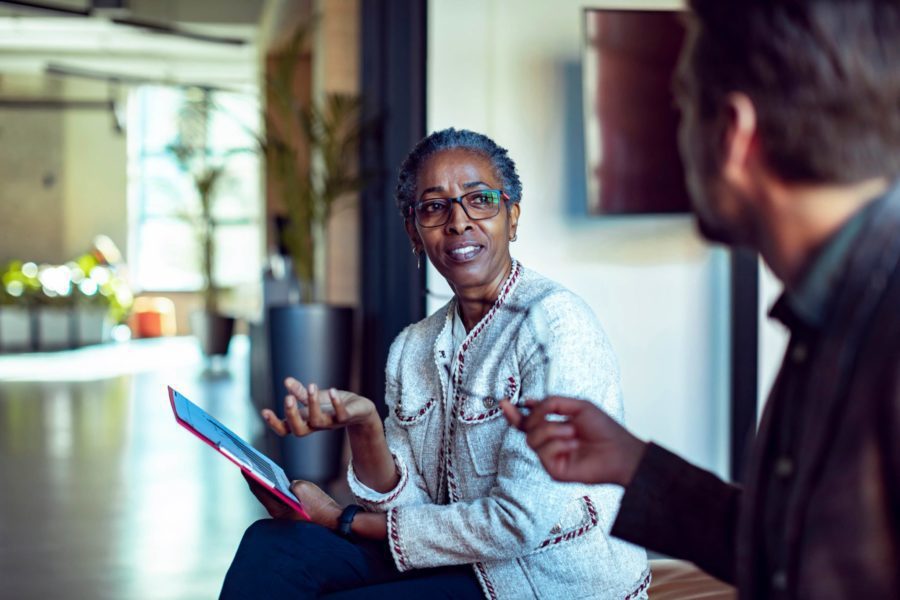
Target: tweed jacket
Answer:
pixel 826 457
pixel 471 491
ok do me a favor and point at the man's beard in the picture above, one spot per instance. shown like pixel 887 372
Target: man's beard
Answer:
pixel 700 189
pixel 715 233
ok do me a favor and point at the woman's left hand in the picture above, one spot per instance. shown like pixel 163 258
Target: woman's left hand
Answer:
pixel 320 507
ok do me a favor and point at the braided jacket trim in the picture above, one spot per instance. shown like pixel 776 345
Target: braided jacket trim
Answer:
pixel 394 538
pixel 371 501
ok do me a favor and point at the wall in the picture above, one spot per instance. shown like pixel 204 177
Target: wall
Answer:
pixel 660 292
pixel 95 183
pixel 773 336
pixel 336 69
pixel 31 194
pixel 63 174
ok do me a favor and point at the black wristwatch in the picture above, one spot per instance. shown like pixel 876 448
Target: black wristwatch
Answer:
pixel 346 519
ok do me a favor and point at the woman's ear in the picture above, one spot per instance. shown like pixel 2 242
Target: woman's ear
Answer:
pixel 514 211
pixel 413 234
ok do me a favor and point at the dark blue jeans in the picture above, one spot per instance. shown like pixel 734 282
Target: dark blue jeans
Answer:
pixel 290 560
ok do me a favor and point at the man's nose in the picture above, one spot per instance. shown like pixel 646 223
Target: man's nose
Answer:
pixel 459 221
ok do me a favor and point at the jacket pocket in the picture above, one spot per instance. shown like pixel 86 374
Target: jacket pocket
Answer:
pixel 483 426
pixel 414 417
pixel 577 518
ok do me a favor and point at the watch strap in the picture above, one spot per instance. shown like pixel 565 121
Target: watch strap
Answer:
pixel 346 519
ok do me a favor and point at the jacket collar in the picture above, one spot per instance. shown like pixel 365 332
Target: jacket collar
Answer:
pixel 873 261
pixel 445 349
pixel 807 304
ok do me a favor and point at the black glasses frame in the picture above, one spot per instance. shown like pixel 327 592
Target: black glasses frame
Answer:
pixel 413 213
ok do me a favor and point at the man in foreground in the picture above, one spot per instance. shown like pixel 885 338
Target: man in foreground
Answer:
pixel 791 142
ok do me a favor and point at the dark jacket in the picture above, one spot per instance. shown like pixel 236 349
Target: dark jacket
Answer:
pixel 819 516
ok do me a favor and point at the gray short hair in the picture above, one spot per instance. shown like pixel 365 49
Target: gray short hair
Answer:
pixel 449 139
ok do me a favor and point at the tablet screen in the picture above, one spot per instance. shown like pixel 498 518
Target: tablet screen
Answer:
pixel 229 443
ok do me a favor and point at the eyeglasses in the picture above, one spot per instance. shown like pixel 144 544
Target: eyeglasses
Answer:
pixel 478 205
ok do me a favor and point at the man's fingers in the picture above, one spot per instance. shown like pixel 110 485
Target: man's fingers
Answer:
pixel 340 411
pixel 274 423
pixel 512 414
pixel 547 431
pixel 556 456
pixel 292 417
pixel 554 405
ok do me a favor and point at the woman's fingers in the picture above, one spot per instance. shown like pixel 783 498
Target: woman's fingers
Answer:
pixel 274 423
pixel 340 411
pixel 292 417
pixel 296 389
pixel 317 420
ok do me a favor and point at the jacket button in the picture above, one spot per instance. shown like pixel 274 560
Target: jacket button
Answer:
pixel 556 529
pixel 489 402
pixel 779 580
pixel 784 467
pixel 798 354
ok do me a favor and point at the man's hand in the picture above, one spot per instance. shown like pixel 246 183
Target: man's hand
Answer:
pixel 308 409
pixel 587 445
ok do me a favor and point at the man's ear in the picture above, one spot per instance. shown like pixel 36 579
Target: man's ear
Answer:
pixel 741 151
pixel 413 234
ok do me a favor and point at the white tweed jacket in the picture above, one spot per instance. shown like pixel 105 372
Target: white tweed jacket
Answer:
pixel 470 490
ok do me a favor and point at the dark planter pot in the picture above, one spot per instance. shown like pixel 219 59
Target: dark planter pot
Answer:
pixel 213 330
pixel 314 344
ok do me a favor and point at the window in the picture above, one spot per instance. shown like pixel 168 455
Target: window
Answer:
pixel 165 209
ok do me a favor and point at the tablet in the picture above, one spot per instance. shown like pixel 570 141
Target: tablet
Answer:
pixel 251 461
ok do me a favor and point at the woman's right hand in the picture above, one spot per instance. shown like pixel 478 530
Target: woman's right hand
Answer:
pixel 309 409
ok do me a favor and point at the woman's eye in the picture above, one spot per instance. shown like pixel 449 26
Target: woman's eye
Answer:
pixel 481 199
pixel 432 207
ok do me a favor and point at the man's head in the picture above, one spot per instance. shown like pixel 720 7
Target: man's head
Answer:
pixel 811 88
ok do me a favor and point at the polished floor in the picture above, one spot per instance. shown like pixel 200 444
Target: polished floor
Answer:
pixel 102 494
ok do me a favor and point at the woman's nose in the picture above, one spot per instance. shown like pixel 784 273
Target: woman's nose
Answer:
pixel 459 221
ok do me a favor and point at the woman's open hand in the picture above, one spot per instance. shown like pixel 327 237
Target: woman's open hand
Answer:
pixel 309 409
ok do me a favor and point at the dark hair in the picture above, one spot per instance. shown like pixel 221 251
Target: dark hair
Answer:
pixel 448 139
pixel 824 76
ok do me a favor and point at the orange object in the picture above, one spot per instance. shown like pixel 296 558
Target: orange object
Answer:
pixel 153 316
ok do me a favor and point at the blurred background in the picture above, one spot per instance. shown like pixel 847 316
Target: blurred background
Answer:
pixel 198 193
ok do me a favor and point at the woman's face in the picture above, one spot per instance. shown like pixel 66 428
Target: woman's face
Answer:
pixel 469 254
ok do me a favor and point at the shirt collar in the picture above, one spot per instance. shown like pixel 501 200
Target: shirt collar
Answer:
pixel 807 304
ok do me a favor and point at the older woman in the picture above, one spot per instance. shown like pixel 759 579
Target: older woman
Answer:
pixel 452 502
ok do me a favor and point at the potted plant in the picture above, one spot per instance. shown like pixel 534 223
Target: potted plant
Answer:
pixel 311 151
pixel 19 285
pixel 101 298
pixel 193 156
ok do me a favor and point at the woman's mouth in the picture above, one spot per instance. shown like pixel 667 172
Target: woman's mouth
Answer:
pixel 465 253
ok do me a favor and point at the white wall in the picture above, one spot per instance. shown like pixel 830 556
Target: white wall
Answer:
pixel 511 69
pixel 63 174
pixel 95 176
pixel 773 336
